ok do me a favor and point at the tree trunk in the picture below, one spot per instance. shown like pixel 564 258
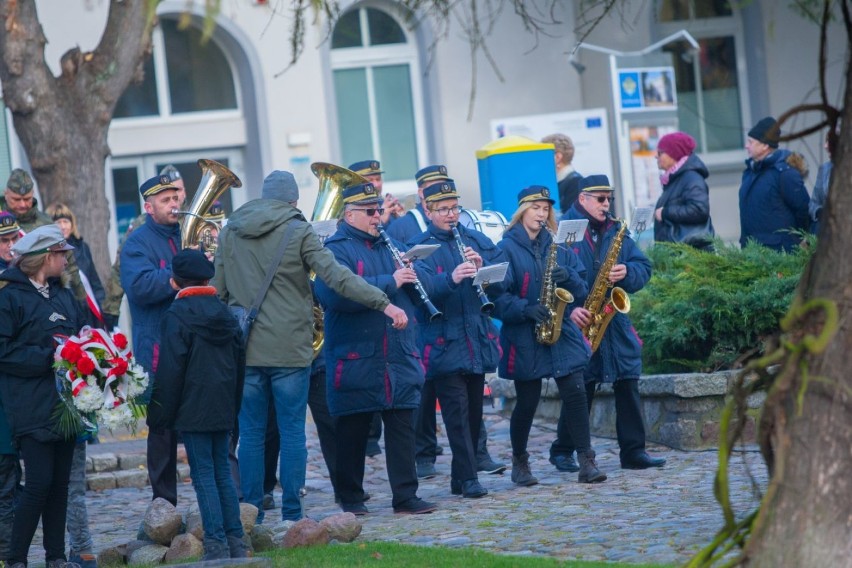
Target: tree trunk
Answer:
pixel 807 520
pixel 63 121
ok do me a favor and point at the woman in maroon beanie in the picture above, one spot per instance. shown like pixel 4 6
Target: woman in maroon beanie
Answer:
pixel 683 210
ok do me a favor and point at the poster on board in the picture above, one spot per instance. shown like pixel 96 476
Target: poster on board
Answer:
pixel 588 129
pixel 647 89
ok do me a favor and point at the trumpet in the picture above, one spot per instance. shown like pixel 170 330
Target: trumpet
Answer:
pixel 487 305
pixel 434 313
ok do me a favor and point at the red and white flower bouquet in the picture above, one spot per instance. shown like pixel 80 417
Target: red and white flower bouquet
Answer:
pixel 97 377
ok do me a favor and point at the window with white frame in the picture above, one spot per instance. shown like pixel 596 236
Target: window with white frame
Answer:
pixel 377 92
pixel 184 75
pixel 710 84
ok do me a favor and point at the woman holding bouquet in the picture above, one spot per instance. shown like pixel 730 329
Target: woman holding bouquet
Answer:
pixel 34 308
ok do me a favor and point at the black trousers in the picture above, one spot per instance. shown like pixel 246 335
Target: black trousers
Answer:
pixel 572 391
pixel 426 426
pixel 376 428
pixel 351 437
pixel 325 431
pixel 45 497
pixel 629 425
pixel 461 409
pixel 10 477
pixel 162 464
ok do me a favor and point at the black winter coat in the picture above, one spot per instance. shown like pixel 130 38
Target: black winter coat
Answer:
pixel 83 256
pixel 686 205
pixel 28 324
pixel 199 381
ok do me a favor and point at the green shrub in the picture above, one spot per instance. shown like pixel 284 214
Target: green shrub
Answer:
pixel 702 311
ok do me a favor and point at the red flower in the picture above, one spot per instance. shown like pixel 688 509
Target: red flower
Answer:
pixel 119 365
pixel 120 340
pixel 85 366
pixel 71 352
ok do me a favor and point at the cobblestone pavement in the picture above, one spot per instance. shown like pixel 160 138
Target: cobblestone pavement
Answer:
pixel 661 515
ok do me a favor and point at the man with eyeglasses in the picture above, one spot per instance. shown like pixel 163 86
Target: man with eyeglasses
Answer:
pixel 371 366
pixel 372 171
pixel 461 346
pixel 618 360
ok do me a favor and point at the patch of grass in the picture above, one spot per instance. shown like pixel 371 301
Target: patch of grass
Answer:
pixel 390 554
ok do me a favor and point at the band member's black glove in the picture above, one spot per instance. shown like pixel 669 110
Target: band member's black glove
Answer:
pixel 536 313
pixel 560 275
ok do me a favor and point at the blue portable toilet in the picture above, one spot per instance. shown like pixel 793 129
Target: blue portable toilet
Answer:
pixel 508 165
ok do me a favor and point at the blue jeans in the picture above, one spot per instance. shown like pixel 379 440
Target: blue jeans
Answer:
pixel 77 517
pixel 288 386
pixel 207 453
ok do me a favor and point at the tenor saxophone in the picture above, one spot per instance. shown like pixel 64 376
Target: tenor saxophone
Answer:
pixel 601 307
pixel 554 299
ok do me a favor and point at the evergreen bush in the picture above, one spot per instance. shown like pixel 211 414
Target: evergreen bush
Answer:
pixel 702 311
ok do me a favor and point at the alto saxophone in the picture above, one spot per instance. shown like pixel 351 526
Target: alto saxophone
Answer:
pixel 603 309
pixel 554 299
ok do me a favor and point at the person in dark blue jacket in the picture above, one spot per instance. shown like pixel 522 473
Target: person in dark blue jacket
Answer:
pixel 618 359
pixel 371 366
pixel 462 345
pixel 146 267
pixel 35 308
pixel 526 243
pixel 198 391
pixel 773 198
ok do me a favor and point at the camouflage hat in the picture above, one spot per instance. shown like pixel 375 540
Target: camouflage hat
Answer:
pixel 20 182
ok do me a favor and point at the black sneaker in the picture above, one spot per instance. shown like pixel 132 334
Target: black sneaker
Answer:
pixel 268 502
pixel 490 466
pixel 426 470
pixel 565 463
pixel 357 509
pixel 415 506
pixel 373 449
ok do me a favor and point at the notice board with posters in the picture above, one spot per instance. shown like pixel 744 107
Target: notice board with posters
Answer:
pixel 588 129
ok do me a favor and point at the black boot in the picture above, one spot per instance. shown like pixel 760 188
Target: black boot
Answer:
pixel 237 547
pixel 589 472
pixel 521 474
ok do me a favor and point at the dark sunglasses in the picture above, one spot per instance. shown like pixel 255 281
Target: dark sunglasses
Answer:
pixel 602 198
pixel 371 211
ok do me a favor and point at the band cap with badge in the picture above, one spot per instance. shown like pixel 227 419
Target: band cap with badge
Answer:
pixel 597 182
pixel 431 174
pixel 367 168
pixel 440 191
pixel 535 193
pixel 8 224
pixel 155 185
pixel 361 193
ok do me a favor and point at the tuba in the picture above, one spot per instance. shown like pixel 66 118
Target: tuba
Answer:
pixel 215 180
pixel 329 204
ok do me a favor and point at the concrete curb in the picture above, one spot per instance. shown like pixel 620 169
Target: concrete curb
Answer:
pixel 113 471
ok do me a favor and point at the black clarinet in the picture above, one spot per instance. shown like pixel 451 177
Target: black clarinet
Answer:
pixel 434 313
pixel 487 305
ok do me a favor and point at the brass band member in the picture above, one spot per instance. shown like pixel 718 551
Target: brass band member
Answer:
pixel 618 360
pixel 527 242
pixel 461 346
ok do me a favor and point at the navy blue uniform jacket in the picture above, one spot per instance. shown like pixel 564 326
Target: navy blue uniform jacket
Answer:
pixel 620 353
pixel 524 358
pixel 370 365
pixel 463 340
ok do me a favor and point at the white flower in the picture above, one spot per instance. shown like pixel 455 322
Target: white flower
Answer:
pixel 89 398
pixel 119 417
pixel 137 381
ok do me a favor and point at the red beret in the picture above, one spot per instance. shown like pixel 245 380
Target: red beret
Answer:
pixel 677 145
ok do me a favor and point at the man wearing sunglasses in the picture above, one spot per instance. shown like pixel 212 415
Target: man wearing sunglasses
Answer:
pixel 618 360
pixel 371 366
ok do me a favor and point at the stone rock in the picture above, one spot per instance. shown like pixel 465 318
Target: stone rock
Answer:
pixel 193 522
pixel 183 473
pixel 148 554
pixel 306 532
pixel 279 531
pixel 248 516
pixel 184 547
pixel 132 461
pixel 127 549
pixel 162 521
pixel 112 556
pixel 104 462
pixel 137 478
pixel 343 527
pixel 100 481
pixel 261 538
